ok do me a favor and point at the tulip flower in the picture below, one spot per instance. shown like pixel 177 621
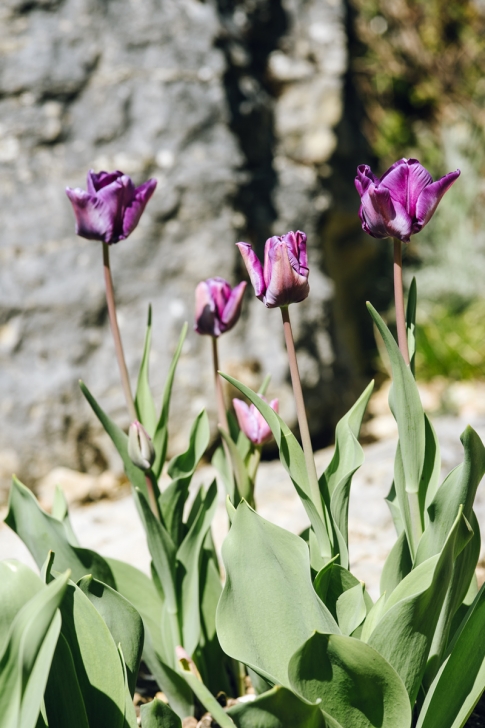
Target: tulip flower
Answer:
pixel 402 201
pixel 217 306
pixel 252 422
pixel 112 206
pixel 140 446
pixel 284 278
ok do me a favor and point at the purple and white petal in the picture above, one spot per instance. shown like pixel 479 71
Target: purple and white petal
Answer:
pixel 94 220
pixel 96 181
pixel 429 198
pixel 232 310
pixel 135 203
pixel 205 311
pixel 286 285
pixel 396 181
pixel 419 179
pixel 364 177
pixel 254 268
pixel 245 419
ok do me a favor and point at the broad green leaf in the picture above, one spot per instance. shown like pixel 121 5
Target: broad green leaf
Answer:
pixel 96 660
pixel 407 407
pixel 145 406
pixel 461 680
pixel 61 512
pixel 42 533
pixel 459 488
pixel 130 713
pixel 122 620
pixel 63 698
pixel 140 591
pixel 397 565
pixel 163 551
pixel 188 556
pixel 340 581
pixel 223 467
pixel 411 322
pixel 405 632
pixel 373 618
pixel 206 698
pixel 321 581
pixel 18 585
pixel 120 441
pixel 157 714
pixel 293 459
pixel 351 609
pixel 268 605
pixel 240 471
pixel 27 656
pixel 160 439
pixel 357 686
pixel 280 708
pixel 182 469
pixel 348 457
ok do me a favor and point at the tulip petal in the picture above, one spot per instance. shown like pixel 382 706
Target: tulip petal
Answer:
pixel 254 268
pixel 134 208
pixel 285 284
pixel 296 244
pixel 95 181
pixel 396 181
pixel 206 321
pixel 429 199
pixel 94 214
pixel 364 177
pixel 384 216
pixel 419 179
pixel 246 420
pixel 232 310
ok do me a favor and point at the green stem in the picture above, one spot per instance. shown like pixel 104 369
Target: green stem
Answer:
pixel 301 414
pixel 402 337
pixel 110 300
pixel 221 409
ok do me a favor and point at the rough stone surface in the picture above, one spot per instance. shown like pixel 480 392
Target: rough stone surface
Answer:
pixel 236 109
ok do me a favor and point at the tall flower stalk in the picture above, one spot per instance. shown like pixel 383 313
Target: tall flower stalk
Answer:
pixel 402 338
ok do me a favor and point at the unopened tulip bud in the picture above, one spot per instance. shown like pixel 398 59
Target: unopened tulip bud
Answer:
pixel 186 661
pixel 252 422
pixel 112 206
pixel 402 201
pixel 217 306
pixel 140 446
pixel 284 278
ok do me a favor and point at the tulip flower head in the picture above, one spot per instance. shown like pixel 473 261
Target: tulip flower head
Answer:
pixel 252 422
pixel 284 278
pixel 140 447
pixel 112 206
pixel 402 201
pixel 217 306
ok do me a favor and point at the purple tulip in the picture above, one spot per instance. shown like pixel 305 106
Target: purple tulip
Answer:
pixel 252 422
pixel 217 306
pixel 111 208
pixel 402 201
pixel 284 279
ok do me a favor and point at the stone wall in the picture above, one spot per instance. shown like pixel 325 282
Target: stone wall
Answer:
pixel 237 108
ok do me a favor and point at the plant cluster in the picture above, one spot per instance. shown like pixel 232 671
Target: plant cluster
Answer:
pixel 290 613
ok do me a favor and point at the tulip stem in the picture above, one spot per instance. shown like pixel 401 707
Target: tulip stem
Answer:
pixel 301 414
pixel 110 300
pixel 399 302
pixel 222 416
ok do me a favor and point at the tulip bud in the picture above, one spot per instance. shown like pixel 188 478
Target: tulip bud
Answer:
pixel 284 279
pixel 252 422
pixel 140 446
pixel 111 208
pixel 402 201
pixel 217 306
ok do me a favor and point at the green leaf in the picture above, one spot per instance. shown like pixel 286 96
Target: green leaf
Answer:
pixel 280 708
pixel 340 581
pixel 145 406
pixel 347 459
pixel 160 438
pixel 351 609
pixel 19 584
pixel 206 698
pixel 223 467
pixel 157 714
pixel 268 605
pixel 122 620
pixel 405 632
pixel 293 459
pixel 356 685
pixel 188 557
pixel 397 565
pixel 182 469
pixel 120 441
pixel 27 656
pixel 42 533
pixel 63 698
pixel 411 322
pixel 243 482
pixel 96 660
pixel 61 512
pixel 373 618
pixel 180 696
pixel 461 680
pixel 430 477
pixel 407 409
